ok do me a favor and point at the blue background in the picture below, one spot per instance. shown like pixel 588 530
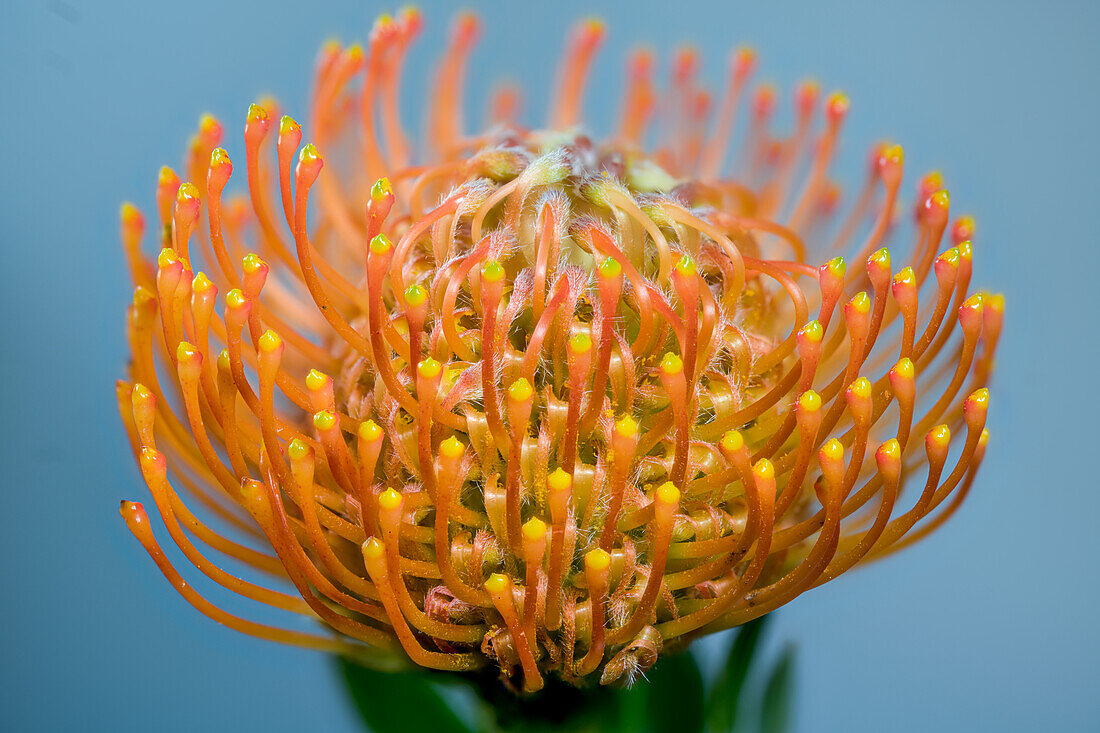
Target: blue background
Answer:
pixel 991 624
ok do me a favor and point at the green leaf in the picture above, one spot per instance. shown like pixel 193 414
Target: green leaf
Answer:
pixel 559 706
pixel 725 697
pixel 396 702
pixel 775 713
pixel 676 695
pixel 630 709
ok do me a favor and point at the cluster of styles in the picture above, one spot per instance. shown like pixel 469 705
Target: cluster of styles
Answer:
pixel 529 400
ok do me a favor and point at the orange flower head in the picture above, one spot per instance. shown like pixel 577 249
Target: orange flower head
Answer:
pixel 527 399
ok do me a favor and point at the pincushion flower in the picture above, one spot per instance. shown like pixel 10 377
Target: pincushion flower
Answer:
pixel 531 400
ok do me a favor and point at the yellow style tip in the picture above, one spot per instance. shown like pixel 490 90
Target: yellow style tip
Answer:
pixel 533 530
pixel 580 343
pixel 667 493
pixel 497 583
pixel 597 560
pixel 733 441
pixel 298 450
pixel 380 245
pixel 492 271
pixel 521 390
pixel 415 296
pixel 559 480
pixel 324 421
pixel 626 427
pixel 316 380
pixel 390 500
pixel 370 431
pixel 672 364
pixel 270 341
pixel 452 448
pixel 429 368
pixel 809 401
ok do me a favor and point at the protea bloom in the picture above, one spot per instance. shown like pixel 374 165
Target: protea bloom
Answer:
pixel 528 400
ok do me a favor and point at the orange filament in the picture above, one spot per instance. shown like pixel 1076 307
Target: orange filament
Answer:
pixel 528 399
